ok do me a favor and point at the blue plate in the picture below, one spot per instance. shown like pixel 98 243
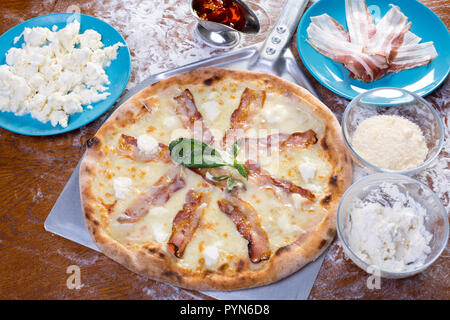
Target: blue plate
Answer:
pixel 118 73
pixel 334 76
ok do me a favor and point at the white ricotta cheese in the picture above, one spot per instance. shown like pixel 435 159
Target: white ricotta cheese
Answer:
pixel 159 232
pixel 159 211
pixel 392 238
pixel 276 114
pixel 171 122
pixel 211 254
pixel 121 187
pixel 390 142
pixel 147 144
pixel 50 78
pixel 307 170
pixel 211 109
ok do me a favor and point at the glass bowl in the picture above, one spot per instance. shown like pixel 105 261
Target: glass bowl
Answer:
pixel 436 218
pixel 400 102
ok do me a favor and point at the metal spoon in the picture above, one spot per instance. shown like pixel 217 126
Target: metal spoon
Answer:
pixel 220 35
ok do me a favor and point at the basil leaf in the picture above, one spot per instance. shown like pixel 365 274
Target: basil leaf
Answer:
pixel 231 183
pixel 236 148
pixel 241 169
pixel 193 153
pixel 220 178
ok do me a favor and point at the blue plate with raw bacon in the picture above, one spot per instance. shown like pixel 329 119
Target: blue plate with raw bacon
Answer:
pixel 351 46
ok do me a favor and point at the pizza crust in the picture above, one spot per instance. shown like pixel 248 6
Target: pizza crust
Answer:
pixel 154 261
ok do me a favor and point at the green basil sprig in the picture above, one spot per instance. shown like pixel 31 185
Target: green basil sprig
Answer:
pixel 193 153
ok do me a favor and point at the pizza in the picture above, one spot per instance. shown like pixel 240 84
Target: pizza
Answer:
pixel 255 208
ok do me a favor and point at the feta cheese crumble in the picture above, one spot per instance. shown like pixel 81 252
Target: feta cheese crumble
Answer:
pixel 212 110
pixel 211 254
pixel 307 170
pixel 55 73
pixel 147 144
pixel 121 187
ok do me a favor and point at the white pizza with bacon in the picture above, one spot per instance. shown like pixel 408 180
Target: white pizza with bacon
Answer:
pixel 215 179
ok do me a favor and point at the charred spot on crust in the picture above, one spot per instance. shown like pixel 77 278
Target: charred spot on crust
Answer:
pixel 92 142
pixel 210 81
pixel 171 274
pixel 223 267
pixel 333 181
pixel 154 83
pixel 331 232
pixel 326 200
pixel 240 266
pixel 87 170
pixel 324 144
pixel 322 243
pixel 152 250
pixel 207 273
pixel 161 255
pixel 95 222
pixel 282 249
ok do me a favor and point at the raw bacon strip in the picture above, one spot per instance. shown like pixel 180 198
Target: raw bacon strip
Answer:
pixel 252 102
pixel 412 56
pixel 362 66
pixel 369 52
pixel 191 117
pixel 158 194
pixel 390 33
pixel 331 26
pixel 246 220
pixel 128 148
pixel 186 222
pixel 410 39
pixel 360 22
pixel 263 178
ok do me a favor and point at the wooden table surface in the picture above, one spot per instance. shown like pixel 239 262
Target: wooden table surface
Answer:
pixel 34 170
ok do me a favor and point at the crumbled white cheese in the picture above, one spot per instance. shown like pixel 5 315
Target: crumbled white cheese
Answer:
pixel 299 202
pixel 121 187
pixel 50 78
pixel 390 142
pixel 276 114
pixel 392 238
pixel 211 254
pixel 211 110
pixel 159 233
pixel 159 211
pixel 171 122
pixel 307 170
pixel 147 144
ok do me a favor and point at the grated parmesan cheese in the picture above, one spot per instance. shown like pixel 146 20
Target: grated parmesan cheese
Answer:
pixel 390 142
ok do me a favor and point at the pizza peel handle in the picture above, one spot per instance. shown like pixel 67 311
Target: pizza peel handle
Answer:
pixel 269 58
